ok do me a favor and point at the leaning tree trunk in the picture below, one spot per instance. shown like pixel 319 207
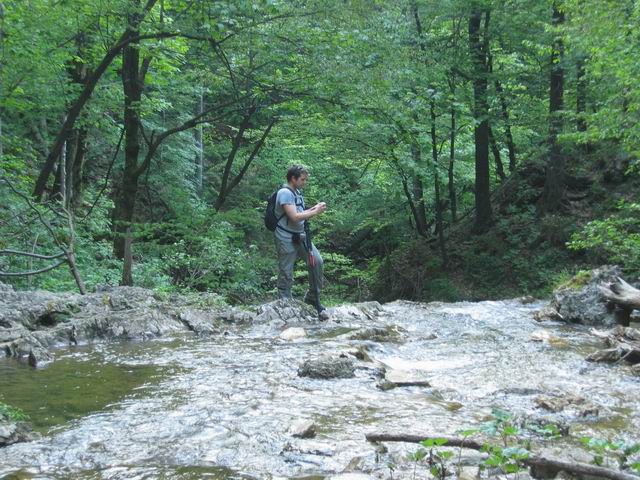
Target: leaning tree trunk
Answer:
pixel 83 98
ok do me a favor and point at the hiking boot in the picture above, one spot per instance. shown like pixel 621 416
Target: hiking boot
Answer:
pixel 322 311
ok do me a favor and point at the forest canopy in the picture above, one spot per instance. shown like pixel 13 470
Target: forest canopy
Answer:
pixel 465 149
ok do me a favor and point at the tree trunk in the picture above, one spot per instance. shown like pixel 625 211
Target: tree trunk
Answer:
pixel 200 147
pixel 504 111
pixel 581 94
pixel 554 186
pixel 72 149
pixel 496 155
pixel 480 113
pixel 419 211
pixel 511 147
pixel 452 153
pixel 127 266
pixel 77 168
pixel 227 184
pixel 78 146
pixel 63 174
pixel 423 232
pixel 235 146
pixel 420 216
pixel 436 181
pixel 132 86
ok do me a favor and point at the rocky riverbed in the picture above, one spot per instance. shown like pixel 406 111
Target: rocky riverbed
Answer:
pixel 190 390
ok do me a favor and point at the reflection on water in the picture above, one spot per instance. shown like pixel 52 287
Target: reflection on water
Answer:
pixel 221 407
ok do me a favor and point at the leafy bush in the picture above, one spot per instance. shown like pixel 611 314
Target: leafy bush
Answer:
pixel 615 239
pixel 12 413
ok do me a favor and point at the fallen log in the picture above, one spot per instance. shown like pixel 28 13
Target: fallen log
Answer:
pixel 534 461
pixel 451 441
pixel 624 343
pixel 621 293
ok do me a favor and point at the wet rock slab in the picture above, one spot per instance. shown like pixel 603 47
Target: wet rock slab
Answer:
pixel 403 378
pixel 387 333
pixel 285 312
pixel 33 322
pixel 358 311
pixel 566 402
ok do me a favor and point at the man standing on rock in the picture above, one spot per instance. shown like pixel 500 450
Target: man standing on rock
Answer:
pixel 291 240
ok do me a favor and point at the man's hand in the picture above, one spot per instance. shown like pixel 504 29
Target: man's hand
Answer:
pixel 320 208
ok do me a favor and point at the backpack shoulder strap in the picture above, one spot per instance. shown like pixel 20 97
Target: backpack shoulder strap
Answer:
pixel 295 195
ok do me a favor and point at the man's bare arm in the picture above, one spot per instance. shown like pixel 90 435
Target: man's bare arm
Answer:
pixel 294 216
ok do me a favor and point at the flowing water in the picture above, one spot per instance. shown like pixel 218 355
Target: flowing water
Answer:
pixel 220 407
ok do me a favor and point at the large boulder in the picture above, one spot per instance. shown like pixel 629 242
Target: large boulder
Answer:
pixel 14 429
pixel 327 367
pixel 14 432
pixel 580 299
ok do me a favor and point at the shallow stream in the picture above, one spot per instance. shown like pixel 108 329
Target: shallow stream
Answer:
pixel 220 407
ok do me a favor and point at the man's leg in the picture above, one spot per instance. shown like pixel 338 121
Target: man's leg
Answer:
pixel 287 255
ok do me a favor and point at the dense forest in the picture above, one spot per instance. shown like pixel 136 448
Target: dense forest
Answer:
pixel 466 149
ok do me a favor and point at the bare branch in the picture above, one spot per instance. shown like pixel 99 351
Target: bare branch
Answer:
pixel 30 254
pixel 33 272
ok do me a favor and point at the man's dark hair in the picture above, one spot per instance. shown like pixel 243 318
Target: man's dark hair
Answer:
pixel 296 171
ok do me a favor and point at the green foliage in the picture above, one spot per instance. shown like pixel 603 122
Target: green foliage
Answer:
pixel 514 447
pixel 577 281
pixel 350 88
pixel 12 413
pixel 206 254
pixel 436 459
pixel 615 239
pixel 606 450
